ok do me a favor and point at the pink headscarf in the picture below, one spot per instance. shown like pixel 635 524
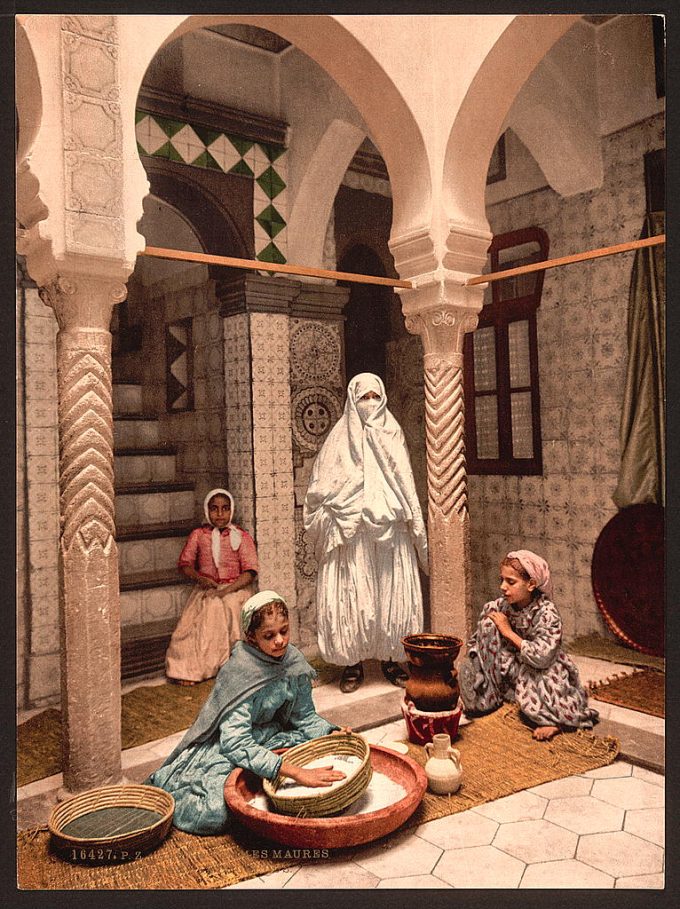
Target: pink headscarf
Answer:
pixel 536 567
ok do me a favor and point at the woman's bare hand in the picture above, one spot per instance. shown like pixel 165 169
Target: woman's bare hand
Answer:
pixel 501 622
pixel 206 583
pixel 319 776
pixel 343 730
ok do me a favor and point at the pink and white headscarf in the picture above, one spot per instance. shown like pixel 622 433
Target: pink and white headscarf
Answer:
pixel 235 534
pixel 537 569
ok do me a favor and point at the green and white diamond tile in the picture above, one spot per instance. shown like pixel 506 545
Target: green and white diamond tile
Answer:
pixel 200 146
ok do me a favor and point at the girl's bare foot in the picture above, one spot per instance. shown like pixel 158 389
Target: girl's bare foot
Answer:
pixel 545 733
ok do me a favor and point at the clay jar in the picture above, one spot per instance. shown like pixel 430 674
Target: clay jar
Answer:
pixel 433 682
pixel 443 770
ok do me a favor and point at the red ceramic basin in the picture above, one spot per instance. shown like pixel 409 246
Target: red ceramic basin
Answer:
pixel 330 832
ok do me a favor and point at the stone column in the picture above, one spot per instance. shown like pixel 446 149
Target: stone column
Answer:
pixel 88 582
pixel 441 320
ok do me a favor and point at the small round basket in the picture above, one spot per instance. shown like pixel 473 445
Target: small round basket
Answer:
pixel 111 824
pixel 323 802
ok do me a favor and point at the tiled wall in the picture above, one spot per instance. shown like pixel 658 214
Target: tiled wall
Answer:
pixel 582 362
pixel 272 454
pixel 317 386
pixel 41 632
pixel 198 146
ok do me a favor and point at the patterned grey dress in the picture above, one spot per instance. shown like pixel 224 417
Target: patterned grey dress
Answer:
pixel 539 677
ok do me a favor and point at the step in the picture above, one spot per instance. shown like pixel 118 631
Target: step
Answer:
pixel 135 430
pixel 148 503
pixel 143 647
pixel 144 465
pixel 127 398
pixel 147 553
pixel 152 597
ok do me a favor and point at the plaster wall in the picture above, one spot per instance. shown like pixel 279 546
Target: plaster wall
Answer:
pixel 625 72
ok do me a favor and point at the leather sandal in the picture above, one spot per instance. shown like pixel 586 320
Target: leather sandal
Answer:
pixel 184 682
pixel 352 677
pixel 394 673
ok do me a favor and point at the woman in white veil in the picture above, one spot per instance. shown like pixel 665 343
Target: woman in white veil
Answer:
pixel 363 517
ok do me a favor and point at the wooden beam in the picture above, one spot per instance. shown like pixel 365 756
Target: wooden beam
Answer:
pixel 567 260
pixel 256 265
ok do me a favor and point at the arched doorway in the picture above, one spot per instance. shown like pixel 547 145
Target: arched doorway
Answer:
pixel 367 315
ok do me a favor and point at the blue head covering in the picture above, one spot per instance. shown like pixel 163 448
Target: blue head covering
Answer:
pixel 246 671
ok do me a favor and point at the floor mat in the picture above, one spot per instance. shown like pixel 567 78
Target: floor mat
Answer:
pixel 644 691
pixel 498 756
pixel 149 712
pixel 601 648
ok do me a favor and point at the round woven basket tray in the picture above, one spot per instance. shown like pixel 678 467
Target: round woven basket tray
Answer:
pixel 112 823
pixel 323 802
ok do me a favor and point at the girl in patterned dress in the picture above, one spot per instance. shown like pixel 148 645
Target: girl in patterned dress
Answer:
pixel 516 654
pixel 221 558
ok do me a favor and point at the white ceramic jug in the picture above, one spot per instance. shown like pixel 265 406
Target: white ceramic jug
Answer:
pixel 443 769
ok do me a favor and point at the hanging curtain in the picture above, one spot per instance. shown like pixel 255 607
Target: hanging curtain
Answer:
pixel 643 420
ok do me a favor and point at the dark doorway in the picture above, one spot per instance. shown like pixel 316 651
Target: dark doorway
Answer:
pixel 367 325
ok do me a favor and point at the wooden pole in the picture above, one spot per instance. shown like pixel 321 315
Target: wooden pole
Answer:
pixel 567 260
pixel 255 265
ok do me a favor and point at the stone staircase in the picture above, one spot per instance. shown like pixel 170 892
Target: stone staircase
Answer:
pixel 154 514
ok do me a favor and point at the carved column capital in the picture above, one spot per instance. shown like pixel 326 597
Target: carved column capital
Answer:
pixel 441 312
pixel 83 302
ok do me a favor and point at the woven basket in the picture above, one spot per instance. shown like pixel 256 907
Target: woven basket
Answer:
pixel 323 802
pixel 102 843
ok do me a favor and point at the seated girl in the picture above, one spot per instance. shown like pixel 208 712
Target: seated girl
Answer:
pixel 516 654
pixel 262 700
pixel 221 558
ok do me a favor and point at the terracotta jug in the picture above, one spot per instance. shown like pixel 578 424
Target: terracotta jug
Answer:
pixel 433 682
pixel 443 769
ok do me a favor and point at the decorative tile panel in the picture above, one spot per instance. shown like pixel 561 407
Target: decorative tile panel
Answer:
pixel 199 146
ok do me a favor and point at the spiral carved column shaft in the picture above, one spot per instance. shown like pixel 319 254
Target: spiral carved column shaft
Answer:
pixel 89 593
pixel 442 332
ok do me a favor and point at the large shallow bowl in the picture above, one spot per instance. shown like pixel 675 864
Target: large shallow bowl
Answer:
pixel 330 832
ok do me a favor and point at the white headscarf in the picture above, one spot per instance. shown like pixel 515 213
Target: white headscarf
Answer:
pixel 536 567
pixel 362 477
pixel 254 603
pixel 235 534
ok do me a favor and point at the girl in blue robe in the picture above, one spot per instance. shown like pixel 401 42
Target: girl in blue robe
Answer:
pixel 262 700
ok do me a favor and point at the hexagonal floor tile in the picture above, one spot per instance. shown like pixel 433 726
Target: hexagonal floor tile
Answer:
pixel 649 776
pixel 619 854
pixel 520 806
pixel 417 882
pixel 565 874
pixel 562 789
pixel 585 815
pixel 458 831
pixel 641 882
pixel 402 855
pixel 479 867
pixel 332 876
pixel 536 841
pixel 272 881
pixel 629 793
pixel 649 823
pixel 616 769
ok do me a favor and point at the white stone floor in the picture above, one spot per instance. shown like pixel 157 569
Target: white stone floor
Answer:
pixel 602 829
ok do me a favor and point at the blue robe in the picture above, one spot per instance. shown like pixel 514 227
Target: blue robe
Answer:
pixel 278 715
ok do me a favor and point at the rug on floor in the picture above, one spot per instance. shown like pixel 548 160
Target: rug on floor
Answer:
pixel 498 756
pixel 148 713
pixel 601 648
pixel 643 690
